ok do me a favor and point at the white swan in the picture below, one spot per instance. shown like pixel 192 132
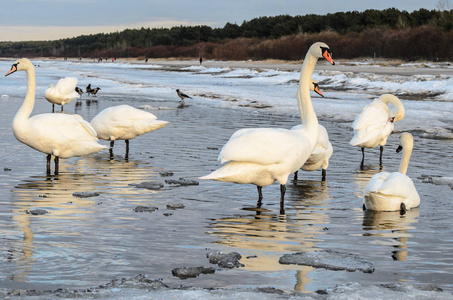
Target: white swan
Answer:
pixel 63 92
pixel 374 124
pixel 124 122
pixel 320 156
pixel 323 149
pixel 60 135
pixel 393 191
pixel 262 155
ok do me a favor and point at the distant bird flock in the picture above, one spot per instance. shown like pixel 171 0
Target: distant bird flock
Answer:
pixel 258 156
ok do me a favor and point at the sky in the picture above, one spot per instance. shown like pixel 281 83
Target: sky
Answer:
pixel 24 20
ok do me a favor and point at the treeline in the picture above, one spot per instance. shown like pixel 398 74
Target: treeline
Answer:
pixel 422 34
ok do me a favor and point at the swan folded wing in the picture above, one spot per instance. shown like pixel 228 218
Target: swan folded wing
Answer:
pixel 392 185
pixel 148 125
pixel 113 130
pixel 262 146
pixel 125 113
pixel 64 126
pixel 66 86
pixel 370 118
pixel 371 128
pixel 375 183
pixel 319 150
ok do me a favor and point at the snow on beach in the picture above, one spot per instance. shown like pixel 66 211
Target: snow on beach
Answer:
pixel 427 98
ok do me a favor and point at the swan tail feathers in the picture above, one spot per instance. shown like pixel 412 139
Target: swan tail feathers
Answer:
pixel 149 125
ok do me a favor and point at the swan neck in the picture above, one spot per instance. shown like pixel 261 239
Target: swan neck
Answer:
pixel 307 113
pixel 399 108
pixel 29 102
pixel 407 151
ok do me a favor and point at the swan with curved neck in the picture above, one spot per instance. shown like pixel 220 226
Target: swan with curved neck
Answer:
pixel 375 123
pixel 60 135
pixel 393 191
pixel 261 156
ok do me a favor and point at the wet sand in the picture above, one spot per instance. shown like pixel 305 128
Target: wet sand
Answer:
pixel 84 242
pixel 376 66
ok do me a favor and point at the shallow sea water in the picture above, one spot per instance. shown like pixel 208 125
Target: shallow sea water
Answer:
pixel 85 242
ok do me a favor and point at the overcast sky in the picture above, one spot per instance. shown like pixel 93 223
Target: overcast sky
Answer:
pixel 55 19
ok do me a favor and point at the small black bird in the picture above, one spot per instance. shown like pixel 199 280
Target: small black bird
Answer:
pixel 79 90
pixel 94 91
pixel 182 95
pixel 89 89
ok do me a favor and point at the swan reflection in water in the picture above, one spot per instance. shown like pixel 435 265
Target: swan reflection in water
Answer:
pixel 53 196
pixel 391 228
pixel 66 218
pixel 363 176
pixel 264 236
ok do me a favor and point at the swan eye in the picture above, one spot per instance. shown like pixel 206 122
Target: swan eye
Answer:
pixel 392 119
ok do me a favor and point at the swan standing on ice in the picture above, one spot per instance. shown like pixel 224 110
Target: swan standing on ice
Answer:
pixel 124 122
pixel 262 155
pixel 374 124
pixel 60 135
pixel 393 191
pixel 63 92
pixel 323 150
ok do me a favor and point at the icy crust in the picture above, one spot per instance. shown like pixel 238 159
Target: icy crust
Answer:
pixel 330 260
pixel 438 180
pixel 140 287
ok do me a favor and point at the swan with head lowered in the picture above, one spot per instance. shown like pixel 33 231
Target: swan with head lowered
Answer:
pixel 63 92
pixel 60 135
pixel 261 156
pixel 374 124
pixel 393 191
pixel 320 156
pixel 124 122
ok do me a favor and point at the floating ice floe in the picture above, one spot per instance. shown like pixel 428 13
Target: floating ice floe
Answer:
pixel 188 272
pixel 438 180
pixel 85 194
pixel 225 260
pixel 330 260
pixel 149 185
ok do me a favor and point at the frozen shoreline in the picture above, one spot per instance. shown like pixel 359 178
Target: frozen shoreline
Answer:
pixel 364 65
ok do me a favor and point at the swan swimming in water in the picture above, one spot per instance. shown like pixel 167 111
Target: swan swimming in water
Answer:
pixel 374 124
pixel 60 135
pixel 124 122
pixel 393 191
pixel 261 156
pixel 63 92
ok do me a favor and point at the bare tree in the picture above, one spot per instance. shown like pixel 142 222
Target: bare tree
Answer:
pixel 443 5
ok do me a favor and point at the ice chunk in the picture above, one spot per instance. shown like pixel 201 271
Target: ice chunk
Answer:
pixel 328 259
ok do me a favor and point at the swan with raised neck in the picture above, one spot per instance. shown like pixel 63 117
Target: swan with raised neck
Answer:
pixel 263 155
pixel 61 135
